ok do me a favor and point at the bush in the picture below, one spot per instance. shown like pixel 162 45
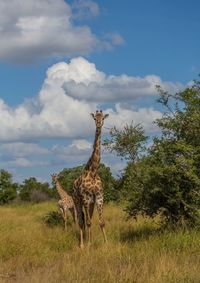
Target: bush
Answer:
pixel 53 218
pixel 33 190
pixel 8 189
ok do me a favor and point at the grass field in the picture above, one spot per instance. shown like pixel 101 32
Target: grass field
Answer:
pixel 138 251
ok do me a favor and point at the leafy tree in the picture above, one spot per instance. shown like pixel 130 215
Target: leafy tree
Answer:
pixel 108 182
pixel 129 142
pixel 8 189
pixel 33 190
pixel 167 179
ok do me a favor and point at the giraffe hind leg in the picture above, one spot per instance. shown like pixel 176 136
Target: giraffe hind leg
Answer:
pixel 63 215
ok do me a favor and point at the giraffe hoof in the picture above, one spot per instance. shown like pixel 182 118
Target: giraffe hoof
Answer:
pixel 81 246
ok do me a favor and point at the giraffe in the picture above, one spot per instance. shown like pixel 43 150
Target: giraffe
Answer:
pixel 87 190
pixel 66 202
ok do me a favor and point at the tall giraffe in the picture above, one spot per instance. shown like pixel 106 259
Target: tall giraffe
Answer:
pixel 66 201
pixel 88 187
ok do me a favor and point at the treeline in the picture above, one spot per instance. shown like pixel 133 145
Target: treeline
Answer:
pixel 32 190
pixel 162 175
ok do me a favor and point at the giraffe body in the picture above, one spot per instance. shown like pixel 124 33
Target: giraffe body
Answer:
pixel 66 202
pixel 88 189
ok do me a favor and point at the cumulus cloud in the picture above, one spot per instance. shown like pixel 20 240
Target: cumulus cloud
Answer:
pixel 20 154
pixel 78 150
pixel 34 29
pixel 23 162
pixel 20 149
pixel 83 81
pixel 70 92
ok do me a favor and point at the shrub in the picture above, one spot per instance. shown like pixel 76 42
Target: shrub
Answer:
pixel 53 218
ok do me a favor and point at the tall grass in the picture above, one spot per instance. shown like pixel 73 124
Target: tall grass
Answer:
pixel 30 251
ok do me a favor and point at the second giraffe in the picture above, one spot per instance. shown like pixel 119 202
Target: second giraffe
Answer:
pixel 66 201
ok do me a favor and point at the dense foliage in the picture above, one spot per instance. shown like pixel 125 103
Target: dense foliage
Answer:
pixel 35 191
pixel 129 142
pixel 8 189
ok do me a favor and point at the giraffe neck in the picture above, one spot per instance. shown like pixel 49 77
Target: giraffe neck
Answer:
pixel 94 161
pixel 62 193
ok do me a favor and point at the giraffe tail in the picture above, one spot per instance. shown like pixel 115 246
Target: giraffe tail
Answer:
pixel 83 217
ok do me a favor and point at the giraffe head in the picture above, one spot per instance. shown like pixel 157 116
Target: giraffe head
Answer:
pixel 99 118
pixel 54 177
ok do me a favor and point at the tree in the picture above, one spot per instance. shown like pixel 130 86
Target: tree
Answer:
pixel 169 177
pixel 108 182
pixel 129 142
pixel 33 190
pixel 8 189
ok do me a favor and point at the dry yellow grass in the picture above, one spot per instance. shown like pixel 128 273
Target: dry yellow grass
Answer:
pixel 137 251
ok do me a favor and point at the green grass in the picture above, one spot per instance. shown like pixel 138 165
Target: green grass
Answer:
pixel 138 251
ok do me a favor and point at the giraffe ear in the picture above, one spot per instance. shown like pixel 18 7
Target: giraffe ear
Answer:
pixel 106 116
pixel 93 116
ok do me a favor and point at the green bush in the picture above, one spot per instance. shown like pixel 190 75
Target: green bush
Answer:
pixel 8 189
pixel 166 180
pixel 53 218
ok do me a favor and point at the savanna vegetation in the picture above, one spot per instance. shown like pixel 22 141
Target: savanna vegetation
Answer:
pixel 137 251
pixel 152 211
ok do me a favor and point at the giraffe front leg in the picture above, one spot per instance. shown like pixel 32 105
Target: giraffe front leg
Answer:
pixel 91 210
pixel 99 203
pixel 81 222
pixel 65 218
pixel 74 214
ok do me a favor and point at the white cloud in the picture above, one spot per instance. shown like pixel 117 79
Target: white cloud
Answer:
pixel 78 151
pixel 81 144
pixel 20 149
pixel 34 29
pixel 120 116
pixel 83 81
pixel 70 92
pixel 22 162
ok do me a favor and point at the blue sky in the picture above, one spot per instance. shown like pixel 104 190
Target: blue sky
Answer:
pixel 98 54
